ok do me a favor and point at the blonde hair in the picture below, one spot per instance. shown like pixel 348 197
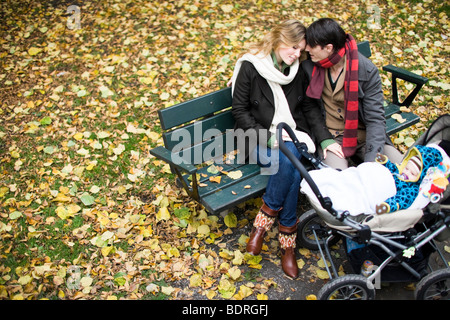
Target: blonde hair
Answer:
pixel 289 32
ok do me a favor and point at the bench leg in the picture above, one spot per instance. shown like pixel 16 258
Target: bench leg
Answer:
pixel 224 213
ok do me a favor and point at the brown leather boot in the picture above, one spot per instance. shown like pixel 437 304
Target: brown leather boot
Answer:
pixel 287 237
pixel 263 222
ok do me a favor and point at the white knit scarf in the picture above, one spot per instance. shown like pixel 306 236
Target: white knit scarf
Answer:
pixel 275 78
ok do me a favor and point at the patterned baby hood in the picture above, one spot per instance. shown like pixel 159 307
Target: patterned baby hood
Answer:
pixel 429 156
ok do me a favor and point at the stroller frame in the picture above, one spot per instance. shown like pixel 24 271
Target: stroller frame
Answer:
pixel 358 285
pixel 366 236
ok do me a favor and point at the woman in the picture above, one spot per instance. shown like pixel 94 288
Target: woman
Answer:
pixel 268 88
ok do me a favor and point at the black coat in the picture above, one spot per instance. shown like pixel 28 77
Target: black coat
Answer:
pixel 253 104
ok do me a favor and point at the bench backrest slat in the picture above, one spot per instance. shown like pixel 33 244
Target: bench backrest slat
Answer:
pixel 196 130
pixel 196 108
pixel 364 48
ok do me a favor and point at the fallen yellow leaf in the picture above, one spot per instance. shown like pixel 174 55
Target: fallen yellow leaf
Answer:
pixel 34 51
pixel 107 250
pixel 226 288
pixel 321 263
pixel 262 296
pixel 203 229
pixel 230 220
pixel 163 214
pixel 63 213
pixel 226 254
pixel 404 109
pixel 234 273
pixel 243 293
pixel 398 117
pixel 210 294
pixel 62 198
pixel 305 252
pixel 238 257
pixel 235 174
pixel 154 136
pixel 73 208
pixel 322 274
pixel 215 179
pixel 195 280
pixel 23 280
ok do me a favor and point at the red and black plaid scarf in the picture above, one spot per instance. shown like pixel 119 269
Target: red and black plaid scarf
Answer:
pixel 315 88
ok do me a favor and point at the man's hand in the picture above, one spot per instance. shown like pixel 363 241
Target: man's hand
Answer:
pixel 335 148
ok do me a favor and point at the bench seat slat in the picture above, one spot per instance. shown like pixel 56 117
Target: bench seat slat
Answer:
pixel 391 109
pixel 393 126
pixel 167 156
pixel 235 194
pixel 248 170
pixel 203 176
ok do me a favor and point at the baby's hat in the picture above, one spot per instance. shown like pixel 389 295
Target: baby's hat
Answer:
pixel 416 160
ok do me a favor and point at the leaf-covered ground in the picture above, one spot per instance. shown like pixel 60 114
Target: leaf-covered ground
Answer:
pixel 85 211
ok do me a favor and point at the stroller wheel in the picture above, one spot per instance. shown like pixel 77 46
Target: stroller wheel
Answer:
pixel 308 222
pixel 348 287
pixel 435 286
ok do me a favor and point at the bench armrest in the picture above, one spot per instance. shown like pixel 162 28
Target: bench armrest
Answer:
pixel 167 156
pixel 405 74
pixel 398 73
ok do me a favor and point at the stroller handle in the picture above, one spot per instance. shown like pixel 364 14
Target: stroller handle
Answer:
pixel 325 202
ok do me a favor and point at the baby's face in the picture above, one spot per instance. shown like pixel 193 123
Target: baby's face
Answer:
pixel 411 171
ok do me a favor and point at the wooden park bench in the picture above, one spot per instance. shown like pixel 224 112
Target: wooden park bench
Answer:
pixel 207 122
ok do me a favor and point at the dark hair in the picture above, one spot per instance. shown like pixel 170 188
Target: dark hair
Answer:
pixel 325 31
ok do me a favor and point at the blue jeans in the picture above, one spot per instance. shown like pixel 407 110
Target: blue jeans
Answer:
pixel 283 185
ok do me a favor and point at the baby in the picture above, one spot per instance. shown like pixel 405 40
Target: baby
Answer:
pixel 412 169
pixel 408 176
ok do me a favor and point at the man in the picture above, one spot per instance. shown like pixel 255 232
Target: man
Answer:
pixel 347 86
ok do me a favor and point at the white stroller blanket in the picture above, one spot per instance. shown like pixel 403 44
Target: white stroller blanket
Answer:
pixel 356 189
pixel 359 189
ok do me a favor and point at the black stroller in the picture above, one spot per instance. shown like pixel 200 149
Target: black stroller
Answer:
pixel 397 254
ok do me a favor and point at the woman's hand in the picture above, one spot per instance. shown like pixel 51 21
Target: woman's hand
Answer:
pixel 335 148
